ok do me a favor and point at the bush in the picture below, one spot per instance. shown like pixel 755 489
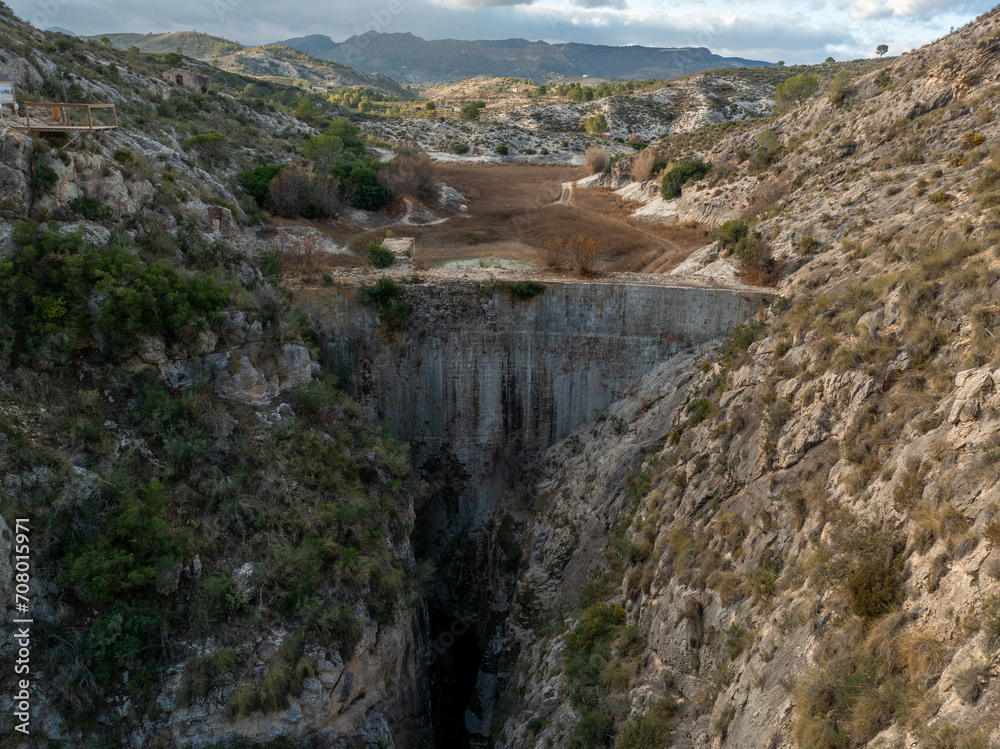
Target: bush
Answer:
pixel 595 624
pixel 213 147
pixel 459 148
pixel 470 112
pixel 644 163
pixel 757 265
pixel 89 208
pixel 502 149
pixel 731 232
pixel 596 124
pixel 257 182
pixel 42 176
pixel 840 89
pixel 384 295
pixel 583 251
pixel 596 158
pixel 524 290
pixel 46 288
pixel 379 256
pixel 552 252
pixel 409 174
pixel 684 172
pixel 650 730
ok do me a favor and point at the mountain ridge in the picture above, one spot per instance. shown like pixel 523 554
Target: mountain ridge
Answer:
pixel 410 58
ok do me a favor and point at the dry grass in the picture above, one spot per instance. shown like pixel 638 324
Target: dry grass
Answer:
pixel 583 251
pixel 643 163
pixel 552 253
pixel 516 203
pixel 768 193
pixel 596 158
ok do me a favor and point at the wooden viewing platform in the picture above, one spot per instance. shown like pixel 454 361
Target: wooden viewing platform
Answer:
pixel 45 117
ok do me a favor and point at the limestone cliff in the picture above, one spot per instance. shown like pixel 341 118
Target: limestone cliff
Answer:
pixel 804 550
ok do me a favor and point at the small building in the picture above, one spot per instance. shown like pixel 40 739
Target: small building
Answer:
pixel 188 79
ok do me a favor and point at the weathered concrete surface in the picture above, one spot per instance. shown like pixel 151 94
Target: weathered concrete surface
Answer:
pixel 481 383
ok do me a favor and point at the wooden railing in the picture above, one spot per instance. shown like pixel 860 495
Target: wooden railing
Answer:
pixel 45 117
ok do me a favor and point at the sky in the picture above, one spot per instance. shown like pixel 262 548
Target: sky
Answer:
pixel 807 31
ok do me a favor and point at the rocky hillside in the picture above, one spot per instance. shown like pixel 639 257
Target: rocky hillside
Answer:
pixel 409 58
pixel 271 61
pixel 793 539
pixel 278 61
pixel 191 43
pixel 219 538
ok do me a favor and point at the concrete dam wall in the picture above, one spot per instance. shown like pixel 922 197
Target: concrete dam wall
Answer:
pixel 480 383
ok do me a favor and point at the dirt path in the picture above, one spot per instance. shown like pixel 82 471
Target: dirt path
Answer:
pixel 407 219
pixel 566 196
pixel 669 246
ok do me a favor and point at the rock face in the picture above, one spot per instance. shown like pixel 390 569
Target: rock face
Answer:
pixel 814 522
pixel 481 383
pixel 376 696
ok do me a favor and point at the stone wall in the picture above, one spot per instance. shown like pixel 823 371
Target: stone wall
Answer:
pixel 481 383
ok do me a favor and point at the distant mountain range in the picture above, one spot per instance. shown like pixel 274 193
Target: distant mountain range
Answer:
pixel 409 58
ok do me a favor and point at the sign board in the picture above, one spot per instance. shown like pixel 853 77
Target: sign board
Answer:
pixel 6 93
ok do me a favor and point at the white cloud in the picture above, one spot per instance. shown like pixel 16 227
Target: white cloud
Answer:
pixel 865 9
pixel 618 4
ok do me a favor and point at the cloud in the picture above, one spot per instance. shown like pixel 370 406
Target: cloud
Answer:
pixel 474 4
pixel 593 4
pixel 861 10
pixel 763 30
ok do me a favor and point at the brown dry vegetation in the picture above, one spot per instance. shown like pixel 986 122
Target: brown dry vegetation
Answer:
pixel 516 204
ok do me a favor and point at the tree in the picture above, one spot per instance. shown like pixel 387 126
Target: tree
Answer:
pixel 597 124
pixel 796 90
pixel 781 63
pixel 881 49
pixel 469 112
pixel 840 89
pixel 323 150
pixel 829 60
pixel 430 106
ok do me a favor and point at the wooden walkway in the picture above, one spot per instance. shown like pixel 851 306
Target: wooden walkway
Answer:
pixel 44 117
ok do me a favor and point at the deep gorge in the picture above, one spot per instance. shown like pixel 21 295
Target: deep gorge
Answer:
pixel 481 384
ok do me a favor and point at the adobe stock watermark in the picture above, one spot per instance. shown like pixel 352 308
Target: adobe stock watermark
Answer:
pixel 47 11
pixel 22 622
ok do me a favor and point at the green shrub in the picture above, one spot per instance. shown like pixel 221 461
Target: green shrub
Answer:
pixel 596 124
pixel 502 149
pixel 595 624
pixel 42 176
pixel 213 147
pixel 650 730
pixel 731 232
pixel 524 290
pixel 257 182
pixel 700 409
pixel 123 560
pixel 384 294
pixel 470 112
pixel 732 353
pixel 89 208
pixel 379 256
pixel 684 172
pixel 46 285
pixel 990 619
